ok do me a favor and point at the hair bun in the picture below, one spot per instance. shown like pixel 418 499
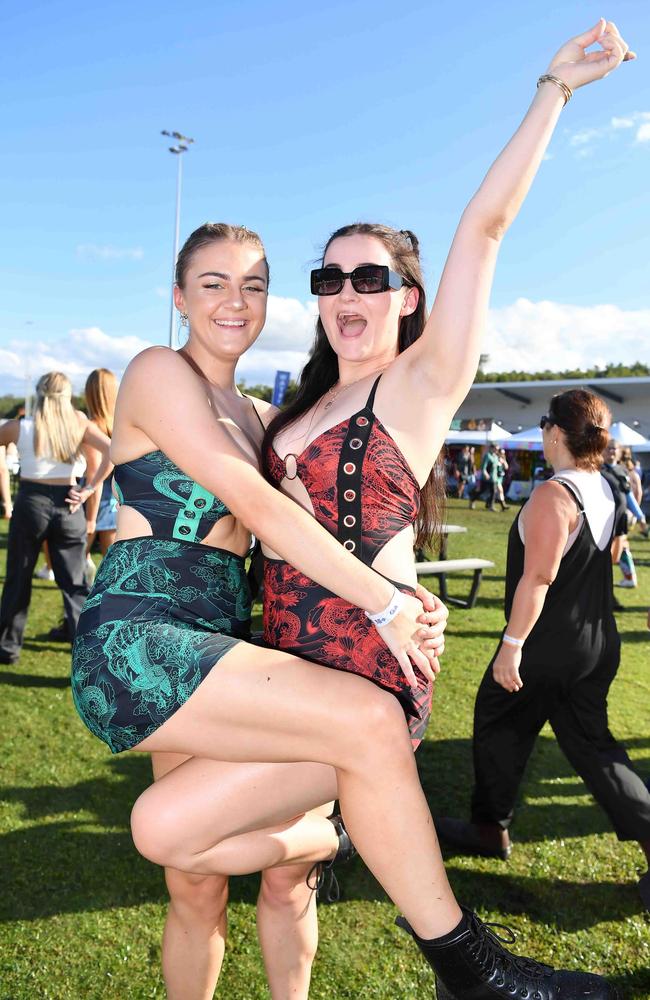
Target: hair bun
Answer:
pixel 412 239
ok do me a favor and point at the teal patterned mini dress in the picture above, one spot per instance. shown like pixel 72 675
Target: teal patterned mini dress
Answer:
pixel 163 609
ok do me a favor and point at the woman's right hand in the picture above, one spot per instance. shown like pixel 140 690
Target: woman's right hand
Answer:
pixel 403 636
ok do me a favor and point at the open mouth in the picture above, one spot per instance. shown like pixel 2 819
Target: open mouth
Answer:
pixel 351 324
pixel 231 324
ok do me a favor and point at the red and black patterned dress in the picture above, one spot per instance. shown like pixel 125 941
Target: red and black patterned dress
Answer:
pixel 363 491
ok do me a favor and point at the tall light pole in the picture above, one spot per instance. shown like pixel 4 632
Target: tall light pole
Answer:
pixel 182 144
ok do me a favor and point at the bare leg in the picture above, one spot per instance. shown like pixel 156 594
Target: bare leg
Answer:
pixel 194 938
pixel 195 930
pixel 106 539
pixel 264 705
pixel 287 926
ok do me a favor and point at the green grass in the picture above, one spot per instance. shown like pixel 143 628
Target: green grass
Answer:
pixel 82 913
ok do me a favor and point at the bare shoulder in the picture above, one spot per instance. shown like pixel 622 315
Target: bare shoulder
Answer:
pixel 9 432
pixel 156 360
pixel 550 498
pixel 265 411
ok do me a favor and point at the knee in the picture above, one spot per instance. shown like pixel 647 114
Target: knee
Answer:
pixel 285 887
pixel 198 899
pixel 381 723
pixel 152 825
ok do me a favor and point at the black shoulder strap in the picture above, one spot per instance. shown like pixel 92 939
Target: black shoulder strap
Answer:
pixel 370 402
pixel 573 490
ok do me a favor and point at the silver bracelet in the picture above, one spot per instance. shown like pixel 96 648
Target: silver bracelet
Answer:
pixel 392 609
pixel 511 641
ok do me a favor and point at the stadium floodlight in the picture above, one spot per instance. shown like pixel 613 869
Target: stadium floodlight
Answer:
pixel 183 142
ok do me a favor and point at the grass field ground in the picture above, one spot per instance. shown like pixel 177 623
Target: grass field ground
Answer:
pixel 82 914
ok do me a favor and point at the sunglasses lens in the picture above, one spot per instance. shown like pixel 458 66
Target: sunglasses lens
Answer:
pixel 370 279
pixel 326 281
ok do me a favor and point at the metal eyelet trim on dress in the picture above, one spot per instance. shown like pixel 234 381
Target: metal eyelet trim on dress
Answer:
pixel 356 443
pixel 349 545
pixel 350 495
pixel 286 471
pixel 362 421
pixel 349 468
pixel 200 503
pixel 184 530
pixel 189 514
pixel 349 520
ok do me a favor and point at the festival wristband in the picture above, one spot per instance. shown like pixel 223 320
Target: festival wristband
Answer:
pixel 392 609
pixel 511 641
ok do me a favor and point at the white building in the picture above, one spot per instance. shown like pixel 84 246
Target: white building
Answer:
pixel 519 405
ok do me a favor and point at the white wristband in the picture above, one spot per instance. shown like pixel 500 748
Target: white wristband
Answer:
pixel 393 608
pixel 510 641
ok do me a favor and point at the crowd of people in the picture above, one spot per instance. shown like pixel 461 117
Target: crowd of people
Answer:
pixel 252 742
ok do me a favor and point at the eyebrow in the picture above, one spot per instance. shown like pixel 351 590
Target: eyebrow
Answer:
pixel 364 263
pixel 227 277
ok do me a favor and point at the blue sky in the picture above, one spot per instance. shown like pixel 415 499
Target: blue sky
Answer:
pixel 306 117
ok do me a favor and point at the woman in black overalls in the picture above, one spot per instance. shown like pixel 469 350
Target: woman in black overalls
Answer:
pixel 560 650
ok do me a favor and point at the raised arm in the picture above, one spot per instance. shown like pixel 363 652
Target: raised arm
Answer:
pixel 443 362
pixel 161 397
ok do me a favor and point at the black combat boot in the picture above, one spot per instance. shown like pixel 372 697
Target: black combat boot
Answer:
pixel 470 963
pixel 321 877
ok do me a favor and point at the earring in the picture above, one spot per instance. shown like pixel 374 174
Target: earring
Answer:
pixel 555 441
pixel 184 320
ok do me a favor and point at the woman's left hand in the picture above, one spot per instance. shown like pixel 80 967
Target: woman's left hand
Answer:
pixel 505 668
pixel 77 497
pixel 576 67
pixel 434 615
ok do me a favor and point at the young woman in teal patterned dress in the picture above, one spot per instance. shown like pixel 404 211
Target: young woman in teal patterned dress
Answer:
pixel 317 727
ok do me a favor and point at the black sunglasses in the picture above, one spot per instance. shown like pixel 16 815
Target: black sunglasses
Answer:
pixel 367 279
pixel 551 421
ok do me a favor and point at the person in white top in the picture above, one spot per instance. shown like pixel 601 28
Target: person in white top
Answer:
pixel 49 447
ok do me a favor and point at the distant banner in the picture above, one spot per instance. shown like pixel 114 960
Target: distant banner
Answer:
pixel 280 387
pixel 477 424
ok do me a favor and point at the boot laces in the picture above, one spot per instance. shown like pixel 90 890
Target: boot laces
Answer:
pixel 323 881
pixel 487 948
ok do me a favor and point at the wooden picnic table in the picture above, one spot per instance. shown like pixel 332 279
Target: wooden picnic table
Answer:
pixel 445 531
pixel 442 566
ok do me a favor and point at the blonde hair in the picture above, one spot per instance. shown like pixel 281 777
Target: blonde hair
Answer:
pixel 57 430
pixel 101 393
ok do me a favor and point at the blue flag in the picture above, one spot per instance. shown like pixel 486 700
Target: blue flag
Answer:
pixel 280 387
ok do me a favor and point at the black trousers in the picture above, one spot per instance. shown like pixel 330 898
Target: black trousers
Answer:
pixel 506 726
pixel 41 514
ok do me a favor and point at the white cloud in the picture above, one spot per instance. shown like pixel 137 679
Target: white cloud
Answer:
pixel 585 139
pixel 534 336
pixel 643 133
pixel 24 361
pixel 93 251
pixel 523 336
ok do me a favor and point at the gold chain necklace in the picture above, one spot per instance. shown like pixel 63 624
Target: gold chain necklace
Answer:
pixel 330 402
pixel 331 395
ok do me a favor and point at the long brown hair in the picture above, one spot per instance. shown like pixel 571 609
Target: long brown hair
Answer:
pixel 57 430
pixel 321 371
pixel 101 393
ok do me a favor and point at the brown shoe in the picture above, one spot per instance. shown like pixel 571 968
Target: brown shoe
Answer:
pixel 488 840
